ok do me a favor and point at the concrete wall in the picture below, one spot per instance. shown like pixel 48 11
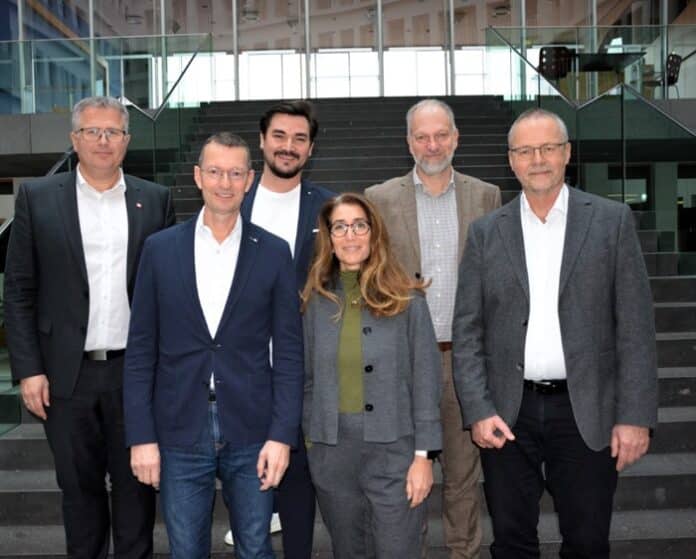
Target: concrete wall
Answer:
pixel 35 133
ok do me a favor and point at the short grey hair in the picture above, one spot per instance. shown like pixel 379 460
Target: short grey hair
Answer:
pixel 228 140
pixel 98 102
pixel 536 113
pixel 432 104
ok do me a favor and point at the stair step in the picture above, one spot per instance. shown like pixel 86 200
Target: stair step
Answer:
pixel 634 534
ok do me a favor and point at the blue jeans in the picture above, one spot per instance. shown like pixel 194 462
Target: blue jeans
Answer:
pixel 187 494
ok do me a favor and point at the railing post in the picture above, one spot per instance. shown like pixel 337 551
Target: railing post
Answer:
pixel 308 50
pixel 380 48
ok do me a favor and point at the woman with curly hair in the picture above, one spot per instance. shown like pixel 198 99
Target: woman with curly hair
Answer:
pixel 372 388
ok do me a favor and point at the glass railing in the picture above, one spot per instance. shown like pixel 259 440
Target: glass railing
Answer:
pixel 624 147
pixel 583 63
pixel 51 75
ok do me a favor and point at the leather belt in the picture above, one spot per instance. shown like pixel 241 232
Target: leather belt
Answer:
pixel 444 346
pixel 103 354
pixel 557 386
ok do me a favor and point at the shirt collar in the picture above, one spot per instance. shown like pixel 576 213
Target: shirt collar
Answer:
pixel 419 183
pixel 205 233
pixel 87 188
pixel 560 205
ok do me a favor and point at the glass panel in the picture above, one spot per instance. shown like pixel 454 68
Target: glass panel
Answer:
pixel 343 39
pixel 661 184
pixel 271 36
pixel 415 56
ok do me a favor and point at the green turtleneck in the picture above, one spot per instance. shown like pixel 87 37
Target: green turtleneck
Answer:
pixel 350 379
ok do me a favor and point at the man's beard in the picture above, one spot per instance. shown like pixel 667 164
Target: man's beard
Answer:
pixel 436 168
pixel 281 173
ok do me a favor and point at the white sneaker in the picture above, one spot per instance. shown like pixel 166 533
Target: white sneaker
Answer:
pixel 273 528
pixel 275 523
pixel 228 538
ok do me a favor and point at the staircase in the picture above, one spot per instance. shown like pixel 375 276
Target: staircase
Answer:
pixel 362 142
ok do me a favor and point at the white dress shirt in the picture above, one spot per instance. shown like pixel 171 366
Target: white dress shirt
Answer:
pixel 104 229
pixel 215 265
pixel 543 250
pixel 278 212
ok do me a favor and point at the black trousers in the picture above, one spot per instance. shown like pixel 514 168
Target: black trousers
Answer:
pixel 295 503
pixel 86 434
pixel 549 453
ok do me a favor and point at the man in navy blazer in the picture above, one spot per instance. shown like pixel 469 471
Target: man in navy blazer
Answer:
pixel 287 205
pixel 202 396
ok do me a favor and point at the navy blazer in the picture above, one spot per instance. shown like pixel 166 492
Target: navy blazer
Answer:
pixel 171 353
pixel 312 198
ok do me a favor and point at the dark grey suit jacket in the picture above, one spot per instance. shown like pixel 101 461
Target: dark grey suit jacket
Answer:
pixel 605 312
pixel 46 290
pixel 402 374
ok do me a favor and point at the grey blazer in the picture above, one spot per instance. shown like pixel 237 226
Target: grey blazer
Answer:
pixel 396 201
pixel 401 375
pixel 605 311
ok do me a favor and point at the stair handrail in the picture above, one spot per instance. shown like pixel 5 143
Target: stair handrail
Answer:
pixel 569 102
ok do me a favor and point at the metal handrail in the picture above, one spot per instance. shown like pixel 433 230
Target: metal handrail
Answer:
pixel 569 102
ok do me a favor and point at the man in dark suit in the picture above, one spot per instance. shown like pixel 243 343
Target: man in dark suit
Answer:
pixel 71 263
pixel 287 205
pixel 554 349
pixel 202 396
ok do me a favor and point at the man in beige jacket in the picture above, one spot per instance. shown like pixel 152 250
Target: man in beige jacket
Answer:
pixel 425 210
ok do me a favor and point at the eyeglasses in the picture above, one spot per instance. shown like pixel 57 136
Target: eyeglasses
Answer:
pixel 439 138
pixel 526 153
pixel 359 228
pixel 216 175
pixel 93 134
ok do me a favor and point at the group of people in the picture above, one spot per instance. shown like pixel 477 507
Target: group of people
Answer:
pixel 305 347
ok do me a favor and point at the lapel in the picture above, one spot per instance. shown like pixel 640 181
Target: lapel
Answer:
pixel 510 229
pixel 66 199
pixel 185 248
pixel 246 260
pixel 249 197
pixel 578 221
pixel 409 211
pixel 464 205
pixel 305 224
pixel 134 209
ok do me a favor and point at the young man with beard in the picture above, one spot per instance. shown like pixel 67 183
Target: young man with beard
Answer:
pixel 424 211
pixel 287 205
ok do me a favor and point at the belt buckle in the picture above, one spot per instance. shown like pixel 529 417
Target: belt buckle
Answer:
pixel 97 354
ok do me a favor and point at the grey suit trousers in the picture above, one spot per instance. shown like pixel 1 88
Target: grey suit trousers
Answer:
pixel 361 490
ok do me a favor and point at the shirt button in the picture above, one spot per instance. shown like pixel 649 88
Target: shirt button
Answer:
pixel 368 407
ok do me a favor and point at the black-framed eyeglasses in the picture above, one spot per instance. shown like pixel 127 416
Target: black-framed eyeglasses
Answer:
pixel 359 227
pixel 93 133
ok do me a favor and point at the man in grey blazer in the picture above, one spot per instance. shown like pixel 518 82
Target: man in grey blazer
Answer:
pixel 554 349
pixel 424 211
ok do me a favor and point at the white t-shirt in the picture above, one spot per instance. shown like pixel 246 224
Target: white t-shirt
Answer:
pixel 278 212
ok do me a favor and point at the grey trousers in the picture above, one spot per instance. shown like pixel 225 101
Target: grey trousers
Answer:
pixel 361 490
